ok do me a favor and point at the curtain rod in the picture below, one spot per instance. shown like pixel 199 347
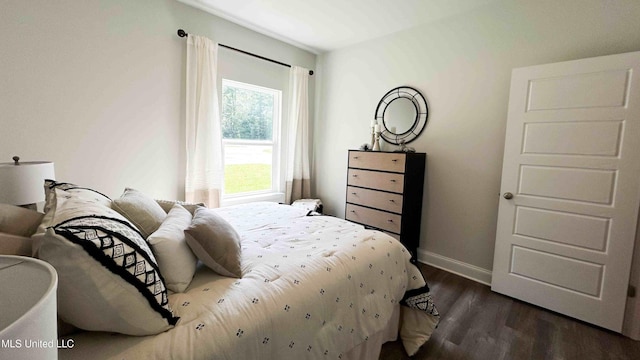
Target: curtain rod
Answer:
pixel 183 33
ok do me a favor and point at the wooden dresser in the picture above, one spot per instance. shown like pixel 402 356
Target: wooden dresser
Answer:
pixel 384 191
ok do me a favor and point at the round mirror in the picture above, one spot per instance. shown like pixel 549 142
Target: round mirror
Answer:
pixel 403 114
pixel 399 116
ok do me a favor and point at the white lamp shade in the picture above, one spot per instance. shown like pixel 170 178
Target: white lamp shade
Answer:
pixel 23 184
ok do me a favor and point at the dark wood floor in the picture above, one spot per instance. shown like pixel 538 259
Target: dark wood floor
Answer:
pixel 477 323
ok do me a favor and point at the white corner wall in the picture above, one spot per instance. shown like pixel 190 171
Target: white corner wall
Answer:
pixel 97 86
pixel 463 67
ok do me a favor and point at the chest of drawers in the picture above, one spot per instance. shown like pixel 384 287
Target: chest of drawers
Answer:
pixel 384 191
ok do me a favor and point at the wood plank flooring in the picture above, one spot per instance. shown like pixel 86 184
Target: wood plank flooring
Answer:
pixel 477 323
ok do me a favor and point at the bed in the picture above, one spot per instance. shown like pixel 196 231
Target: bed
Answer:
pixel 311 287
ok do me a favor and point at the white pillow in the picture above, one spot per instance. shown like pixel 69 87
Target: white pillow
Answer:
pixel 108 278
pixel 176 260
pixel 414 331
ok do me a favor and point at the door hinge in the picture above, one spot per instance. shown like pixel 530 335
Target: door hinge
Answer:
pixel 631 292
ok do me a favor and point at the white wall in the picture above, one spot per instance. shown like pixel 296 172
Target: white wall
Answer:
pixel 98 87
pixel 463 67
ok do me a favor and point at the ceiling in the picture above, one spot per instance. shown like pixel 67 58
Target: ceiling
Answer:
pixel 325 25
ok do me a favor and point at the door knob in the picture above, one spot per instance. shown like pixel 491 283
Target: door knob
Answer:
pixel 508 196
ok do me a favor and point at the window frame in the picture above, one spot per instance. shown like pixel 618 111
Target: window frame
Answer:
pixel 276 192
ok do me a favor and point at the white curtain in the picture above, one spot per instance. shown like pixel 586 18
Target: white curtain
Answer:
pixel 298 180
pixel 204 176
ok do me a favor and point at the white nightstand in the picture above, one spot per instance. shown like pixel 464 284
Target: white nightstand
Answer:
pixel 28 321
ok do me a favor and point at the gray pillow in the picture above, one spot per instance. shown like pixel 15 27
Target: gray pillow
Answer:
pixel 215 242
pixel 141 210
pixel 167 205
pixel 15 245
pixel 19 221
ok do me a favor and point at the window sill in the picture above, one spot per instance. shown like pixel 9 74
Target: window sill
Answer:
pixel 275 197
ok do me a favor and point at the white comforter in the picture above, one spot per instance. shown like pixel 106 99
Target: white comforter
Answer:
pixel 312 287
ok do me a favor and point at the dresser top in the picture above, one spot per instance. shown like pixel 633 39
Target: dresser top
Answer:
pixel 387 152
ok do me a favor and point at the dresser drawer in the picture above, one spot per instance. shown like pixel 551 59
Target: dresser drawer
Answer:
pixel 376 199
pixel 376 180
pixel 377 161
pixel 376 218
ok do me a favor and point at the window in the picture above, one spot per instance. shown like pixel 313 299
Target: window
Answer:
pixel 250 139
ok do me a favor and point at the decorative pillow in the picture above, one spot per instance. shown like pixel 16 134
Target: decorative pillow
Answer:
pixel 167 205
pixel 70 190
pixel 18 221
pixel 176 260
pixel 215 242
pixel 108 278
pixel 14 245
pixel 141 210
pixel 414 331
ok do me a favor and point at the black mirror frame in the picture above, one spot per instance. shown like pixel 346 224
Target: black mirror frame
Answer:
pixel 419 123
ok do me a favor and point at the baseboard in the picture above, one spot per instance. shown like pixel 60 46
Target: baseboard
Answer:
pixel 457 267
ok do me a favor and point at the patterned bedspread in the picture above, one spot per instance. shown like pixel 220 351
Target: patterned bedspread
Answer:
pixel 312 287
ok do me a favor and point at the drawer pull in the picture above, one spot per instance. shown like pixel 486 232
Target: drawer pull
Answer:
pixel 353 211
pixel 356 157
pixel 393 180
pixel 354 193
pixel 354 175
pixel 390 220
pixel 391 200
pixel 395 160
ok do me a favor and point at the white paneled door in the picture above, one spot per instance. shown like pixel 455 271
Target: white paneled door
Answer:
pixel 570 187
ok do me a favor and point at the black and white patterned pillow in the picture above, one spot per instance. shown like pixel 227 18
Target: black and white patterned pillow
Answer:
pixel 420 299
pixel 50 185
pixel 121 249
pixel 53 190
pixel 109 279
